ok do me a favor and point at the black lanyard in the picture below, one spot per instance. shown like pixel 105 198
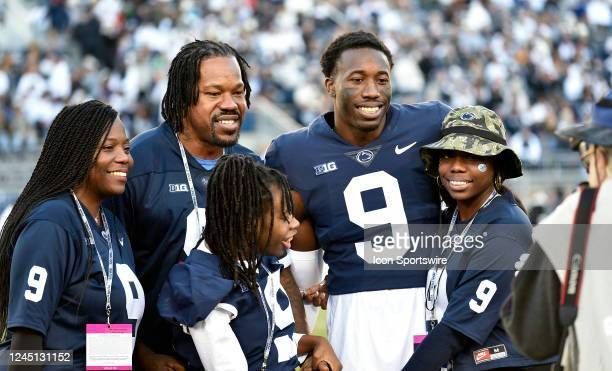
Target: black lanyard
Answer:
pixel 575 263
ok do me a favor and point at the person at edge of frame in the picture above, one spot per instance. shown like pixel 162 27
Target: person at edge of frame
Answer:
pixel 532 314
pixel 70 259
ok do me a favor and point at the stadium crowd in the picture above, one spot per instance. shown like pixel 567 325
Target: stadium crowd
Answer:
pixel 538 63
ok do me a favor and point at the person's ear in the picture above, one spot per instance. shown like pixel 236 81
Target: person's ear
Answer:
pixel 330 86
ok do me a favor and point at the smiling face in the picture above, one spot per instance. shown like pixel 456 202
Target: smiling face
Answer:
pixel 217 116
pixel 465 182
pixel 108 175
pixel 361 89
pixel 284 228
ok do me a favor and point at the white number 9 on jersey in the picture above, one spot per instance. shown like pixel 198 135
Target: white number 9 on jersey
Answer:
pixel 36 280
pixel 393 213
pixel 484 293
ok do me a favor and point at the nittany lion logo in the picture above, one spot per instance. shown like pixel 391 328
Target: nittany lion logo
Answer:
pixel 365 156
pixel 467 116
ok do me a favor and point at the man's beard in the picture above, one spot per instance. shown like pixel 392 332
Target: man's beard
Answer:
pixel 216 141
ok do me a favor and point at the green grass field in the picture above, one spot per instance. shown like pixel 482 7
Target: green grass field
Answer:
pixel 320 327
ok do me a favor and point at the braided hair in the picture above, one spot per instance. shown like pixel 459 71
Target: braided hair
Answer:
pixel 184 74
pixel 239 201
pixel 351 40
pixel 74 135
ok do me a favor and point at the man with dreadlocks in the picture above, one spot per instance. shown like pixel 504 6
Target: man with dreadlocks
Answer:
pixel 224 298
pixel 63 248
pixel 359 167
pixel 163 207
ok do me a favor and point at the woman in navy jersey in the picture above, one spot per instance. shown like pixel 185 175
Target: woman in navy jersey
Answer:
pixel 71 266
pixel 231 310
pixel 485 240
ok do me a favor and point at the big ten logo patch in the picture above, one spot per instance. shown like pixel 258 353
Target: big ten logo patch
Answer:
pixel 325 168
pixel 181 187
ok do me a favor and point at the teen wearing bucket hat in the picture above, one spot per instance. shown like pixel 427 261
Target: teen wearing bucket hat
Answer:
pixel 532 314
pixel 464 293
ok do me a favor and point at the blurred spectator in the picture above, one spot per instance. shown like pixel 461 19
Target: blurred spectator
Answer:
pixel 58 14
pixel 527 146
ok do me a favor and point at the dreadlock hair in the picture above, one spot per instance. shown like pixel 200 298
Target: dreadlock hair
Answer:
pixel 351 40
pixel 74 135
pixel 239 201
pixel 184 75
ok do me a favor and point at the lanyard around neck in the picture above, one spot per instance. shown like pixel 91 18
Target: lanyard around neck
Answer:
pixel 486 203
pixel 269 318
pixel 433 285
pixel 108 277
pixel 194 200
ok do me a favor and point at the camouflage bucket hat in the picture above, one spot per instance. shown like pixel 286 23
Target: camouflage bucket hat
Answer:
pixel 475 130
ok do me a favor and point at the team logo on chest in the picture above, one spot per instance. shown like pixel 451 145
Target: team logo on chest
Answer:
pixel 364 157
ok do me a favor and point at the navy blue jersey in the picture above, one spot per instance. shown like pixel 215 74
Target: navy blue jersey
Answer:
pixel 478 280
pixel 57 285
pixel 346 188
pixel 157 211
pixel 195 287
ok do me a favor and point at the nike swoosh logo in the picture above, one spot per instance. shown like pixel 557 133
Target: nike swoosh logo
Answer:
pixel 399 151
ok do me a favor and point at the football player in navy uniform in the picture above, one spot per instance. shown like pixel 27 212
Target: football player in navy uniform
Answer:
pixel 353 168
pixel 70 258
pixel 163 207
pixel 237 313
pixel 490 234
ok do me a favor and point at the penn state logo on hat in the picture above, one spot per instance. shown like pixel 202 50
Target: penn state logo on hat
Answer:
pixel 475 130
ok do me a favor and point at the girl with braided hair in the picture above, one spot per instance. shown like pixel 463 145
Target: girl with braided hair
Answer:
pixel 227 294
pixel 63 247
